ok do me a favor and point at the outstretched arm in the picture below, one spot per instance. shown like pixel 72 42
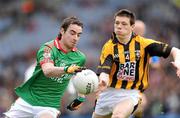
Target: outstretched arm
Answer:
pixel 175 52
pixel 52 71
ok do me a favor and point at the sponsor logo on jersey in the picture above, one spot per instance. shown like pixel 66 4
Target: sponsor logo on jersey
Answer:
pixel 127 71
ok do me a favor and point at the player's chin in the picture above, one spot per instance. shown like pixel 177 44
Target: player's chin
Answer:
pixel 73 45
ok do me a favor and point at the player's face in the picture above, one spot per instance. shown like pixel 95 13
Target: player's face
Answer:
pixel 122 26
pixel 71 36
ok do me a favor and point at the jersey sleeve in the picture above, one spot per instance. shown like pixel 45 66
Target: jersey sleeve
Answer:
pixel 155 48
pixel 45 55
pixel 106 60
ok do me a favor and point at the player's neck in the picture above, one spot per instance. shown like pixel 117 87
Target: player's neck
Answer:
pixel 124 39
pixel 63 46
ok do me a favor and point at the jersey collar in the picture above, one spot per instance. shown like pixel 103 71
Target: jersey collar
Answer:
pixel 58 46
pixel 115 40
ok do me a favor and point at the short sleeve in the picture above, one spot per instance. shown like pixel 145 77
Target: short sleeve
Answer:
pixel 45 55
pixel 156 48
pixel 106 59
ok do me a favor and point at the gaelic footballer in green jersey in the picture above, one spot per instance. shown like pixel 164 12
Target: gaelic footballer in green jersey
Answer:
pixel 37 88
pixel 57 61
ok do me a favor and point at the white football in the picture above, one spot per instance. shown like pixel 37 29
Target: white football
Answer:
pixel 85 82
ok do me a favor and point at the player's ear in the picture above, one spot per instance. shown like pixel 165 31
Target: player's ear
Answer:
pixel 132 26
pixel 62 31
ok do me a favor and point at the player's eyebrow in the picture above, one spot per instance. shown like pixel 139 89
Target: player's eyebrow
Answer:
pixel 75 32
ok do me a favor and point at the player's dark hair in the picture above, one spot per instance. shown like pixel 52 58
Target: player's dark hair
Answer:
pixel 68 21
pixel 126 13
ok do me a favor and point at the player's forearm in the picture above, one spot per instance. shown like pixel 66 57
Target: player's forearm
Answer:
pixel 175 52
pixel 50 70
pixel 54 72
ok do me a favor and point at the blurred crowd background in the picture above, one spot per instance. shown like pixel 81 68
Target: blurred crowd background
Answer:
pixel 26 24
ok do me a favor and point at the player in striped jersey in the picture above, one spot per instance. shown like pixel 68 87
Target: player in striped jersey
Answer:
pixel 124 67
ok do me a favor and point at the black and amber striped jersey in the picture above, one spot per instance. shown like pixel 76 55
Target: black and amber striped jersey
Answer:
pixel 128 64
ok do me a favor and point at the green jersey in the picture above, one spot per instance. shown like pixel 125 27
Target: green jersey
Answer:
pixel 40 90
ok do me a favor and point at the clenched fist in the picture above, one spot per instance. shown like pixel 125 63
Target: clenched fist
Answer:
pixel 73 69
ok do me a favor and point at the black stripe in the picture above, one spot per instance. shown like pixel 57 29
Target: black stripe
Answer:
pixel 95 102
pixel 137 48
pixel 108 63
pixel 126 49
pixel 114 38
pixel 145 59
pixel 145 63
pixel 116 60
pixel 159 49
pixel 135 107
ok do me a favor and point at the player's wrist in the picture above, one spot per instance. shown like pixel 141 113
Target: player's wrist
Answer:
pixel 76 103
pixel 66 68
pixel 81 99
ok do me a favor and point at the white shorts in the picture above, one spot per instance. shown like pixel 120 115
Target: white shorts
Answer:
pixel 110 97
pixel 22 109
